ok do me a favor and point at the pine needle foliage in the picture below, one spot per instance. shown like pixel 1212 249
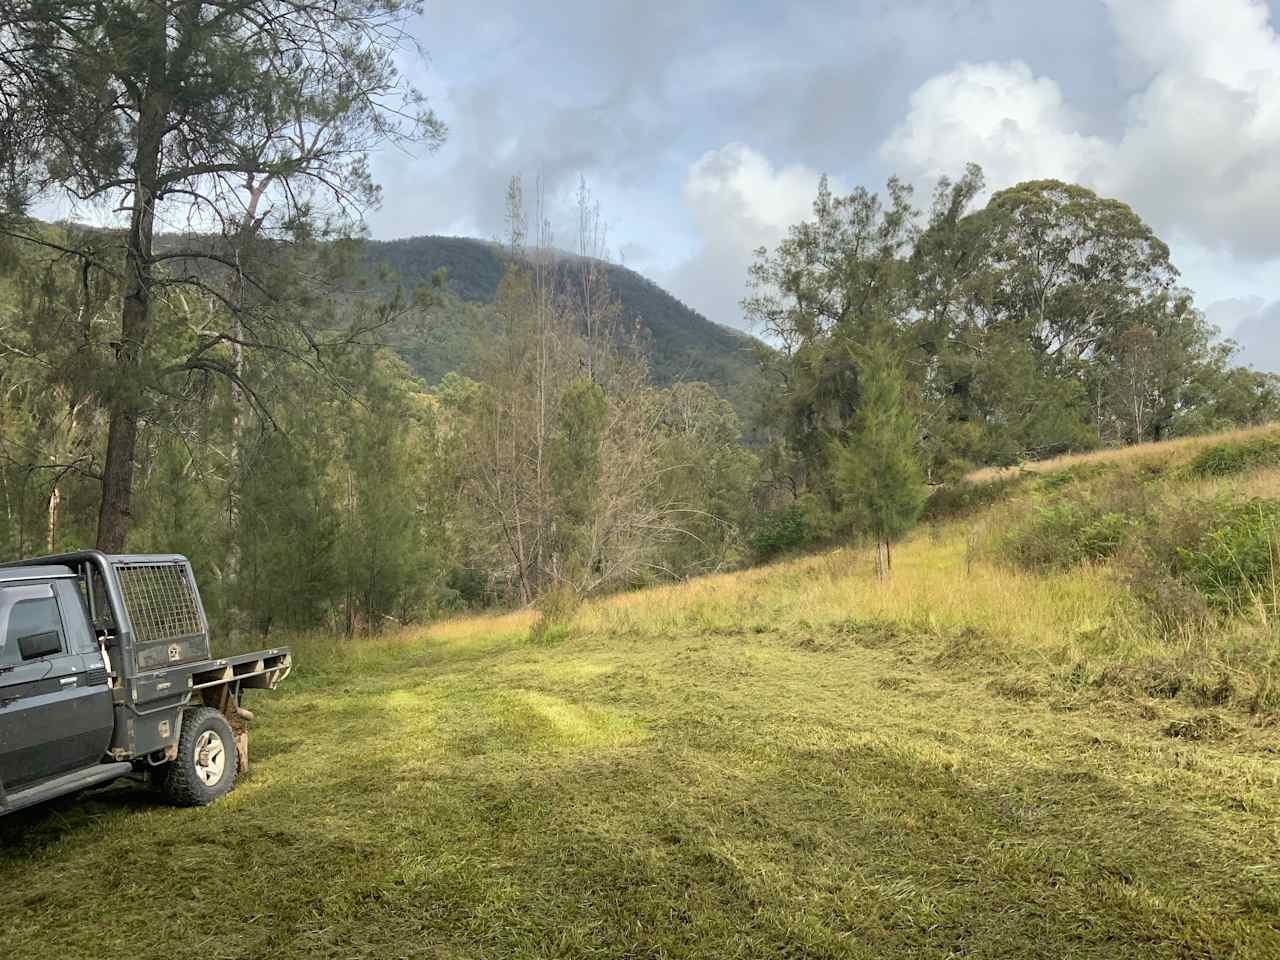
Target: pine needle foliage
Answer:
pixel 878 470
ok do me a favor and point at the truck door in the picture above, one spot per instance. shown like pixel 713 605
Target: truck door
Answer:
pixel 55 701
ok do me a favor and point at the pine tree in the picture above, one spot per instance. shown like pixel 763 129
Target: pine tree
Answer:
pixel 253 120
pixel 877 468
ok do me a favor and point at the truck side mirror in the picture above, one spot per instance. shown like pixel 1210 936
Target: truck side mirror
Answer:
pixel 37 645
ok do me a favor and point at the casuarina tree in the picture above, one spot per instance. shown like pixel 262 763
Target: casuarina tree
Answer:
pixel 877 467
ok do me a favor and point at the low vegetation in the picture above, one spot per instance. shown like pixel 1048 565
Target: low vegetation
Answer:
pixel 981 754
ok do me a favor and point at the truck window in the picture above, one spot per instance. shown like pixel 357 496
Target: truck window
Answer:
pixel 27 611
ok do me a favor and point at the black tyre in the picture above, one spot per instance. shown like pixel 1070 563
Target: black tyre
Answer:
pixel 205 769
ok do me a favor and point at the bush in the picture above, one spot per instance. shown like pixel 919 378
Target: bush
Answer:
pixel 964 497
pixel 1233 565
pixel 556 609
pixel 781 532
pixel 1172 603
pixel 469 587
pixel 1080 473
pixel 1067 532
pixel 1236 456
pixel 1204 557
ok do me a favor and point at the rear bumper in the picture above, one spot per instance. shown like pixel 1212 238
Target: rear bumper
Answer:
pixel 262 670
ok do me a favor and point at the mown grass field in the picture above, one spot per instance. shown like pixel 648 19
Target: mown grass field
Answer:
pixel 794 761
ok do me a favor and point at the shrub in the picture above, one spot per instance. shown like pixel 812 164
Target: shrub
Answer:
pixel 965 497
pixel 1102 537
pixel 469 588
pixel 1233 565
pixel 1172 603
pixel 1079 473
pixel 781 532
pixel 556 608
pixel 1236 456
pixel 1067 532
pixel 1202 557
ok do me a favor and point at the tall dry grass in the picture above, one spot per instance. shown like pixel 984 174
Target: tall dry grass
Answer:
pixel 1182 448
pixel 943 584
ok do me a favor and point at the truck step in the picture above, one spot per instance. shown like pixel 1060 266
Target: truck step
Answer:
pixel 96 775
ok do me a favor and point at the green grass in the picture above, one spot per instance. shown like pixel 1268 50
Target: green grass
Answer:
pixel 852 790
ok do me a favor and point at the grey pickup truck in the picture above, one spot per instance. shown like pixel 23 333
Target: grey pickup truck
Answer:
pixel 105 671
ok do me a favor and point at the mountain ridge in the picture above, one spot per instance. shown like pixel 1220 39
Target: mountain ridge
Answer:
pixel 680 343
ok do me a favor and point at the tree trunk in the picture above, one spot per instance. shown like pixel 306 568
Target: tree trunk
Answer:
pixel 247 233
pixel 117 478
pixel 235 609
pixel 351 595
pixel 135 315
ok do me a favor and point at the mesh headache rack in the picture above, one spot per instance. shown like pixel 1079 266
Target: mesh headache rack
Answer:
pixel 161 600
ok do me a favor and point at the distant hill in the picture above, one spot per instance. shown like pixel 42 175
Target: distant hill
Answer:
pixel 681 344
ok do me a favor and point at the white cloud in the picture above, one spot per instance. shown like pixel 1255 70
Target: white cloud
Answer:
pixel 1197 155
pixel 1228 41
pixel 1200 147
pixel 739 202
pixel 738 184
pixel 1016 125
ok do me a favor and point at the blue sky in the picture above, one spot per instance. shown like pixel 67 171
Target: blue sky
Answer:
pixel 702 126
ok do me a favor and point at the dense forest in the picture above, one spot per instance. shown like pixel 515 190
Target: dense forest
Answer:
pixel 316 478
pixel 1044 321
pixel 679 343
pixel 353 433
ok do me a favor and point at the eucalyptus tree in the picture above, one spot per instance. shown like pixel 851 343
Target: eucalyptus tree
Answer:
pixel 819 293
pixel 1068 268
pixel 249 120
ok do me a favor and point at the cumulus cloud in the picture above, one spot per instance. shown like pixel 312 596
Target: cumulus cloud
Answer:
pixel 1197 151
pixel 1016 125
pixel 739 202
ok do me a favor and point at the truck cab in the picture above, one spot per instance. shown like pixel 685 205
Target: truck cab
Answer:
pixel 56 711
pixel 106 670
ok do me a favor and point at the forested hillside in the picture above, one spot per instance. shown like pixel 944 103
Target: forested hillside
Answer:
pixel 680 344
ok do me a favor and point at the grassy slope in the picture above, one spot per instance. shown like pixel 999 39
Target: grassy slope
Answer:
pixel 792 761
